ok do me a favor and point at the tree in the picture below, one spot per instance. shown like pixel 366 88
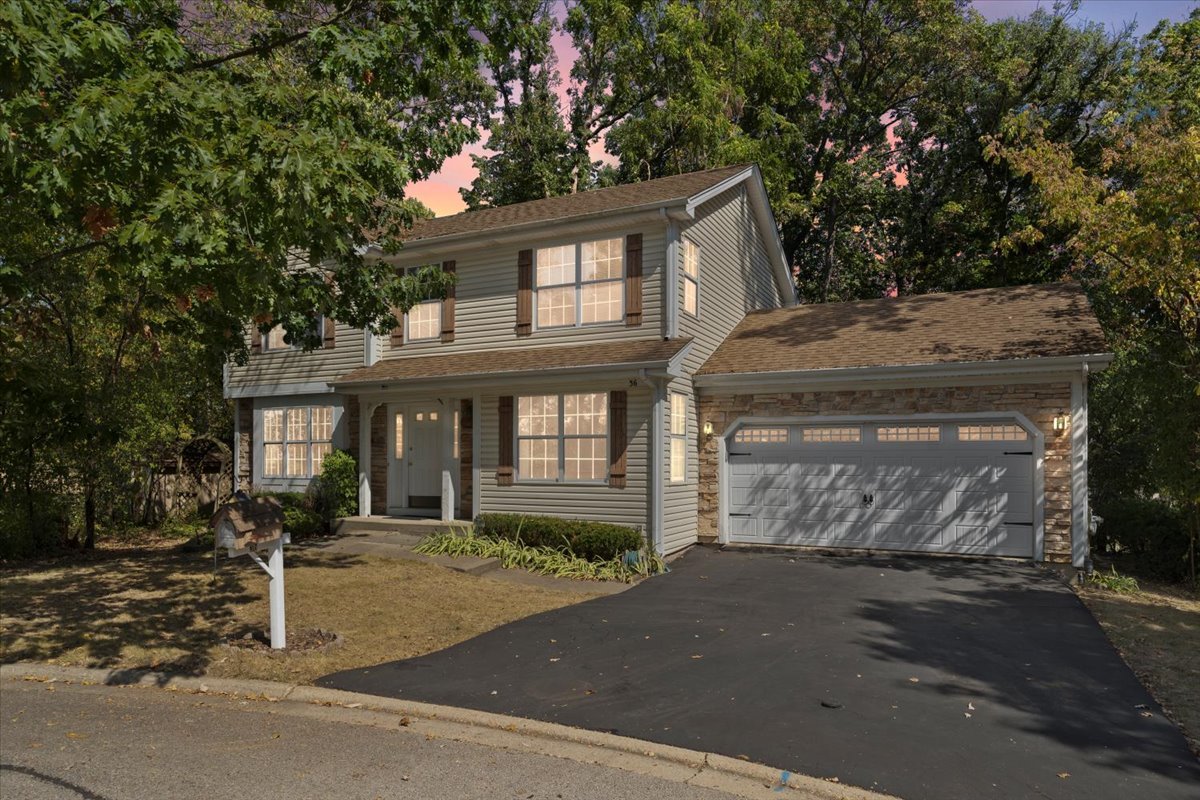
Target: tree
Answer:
pixel 1135 230
pixel 170 172
pixel 529 138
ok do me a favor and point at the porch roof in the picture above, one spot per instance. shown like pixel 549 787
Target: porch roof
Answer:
pixel 627 354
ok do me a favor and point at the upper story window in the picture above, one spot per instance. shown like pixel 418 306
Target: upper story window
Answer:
pixel 580 284
pixel 691 277
pixel 563 437
pixel 423 321
pixel 296 441
pixel 273 340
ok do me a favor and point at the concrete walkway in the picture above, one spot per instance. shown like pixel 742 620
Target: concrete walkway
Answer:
pixel 101 734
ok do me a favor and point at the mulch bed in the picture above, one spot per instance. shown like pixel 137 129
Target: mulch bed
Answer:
pixel 299 642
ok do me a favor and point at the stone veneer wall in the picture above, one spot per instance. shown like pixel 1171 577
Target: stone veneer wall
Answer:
pixel 244 408
pixel 1039 402
pixel 378 450
pixel 466 442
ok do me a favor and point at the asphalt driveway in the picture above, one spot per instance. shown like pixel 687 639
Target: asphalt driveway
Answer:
pixel 921 677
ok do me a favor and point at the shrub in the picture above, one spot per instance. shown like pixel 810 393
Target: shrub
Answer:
pixel 302 522
pixel 334 492
pixel 543 560
pixel 591 540
pixel 1149 535
pixel 1114 581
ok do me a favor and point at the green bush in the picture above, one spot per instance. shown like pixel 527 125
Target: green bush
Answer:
pixel 542 560
pixel 599 541
pixel 302 523
pixel 290 499
pixel 1150 536
pixel 335 491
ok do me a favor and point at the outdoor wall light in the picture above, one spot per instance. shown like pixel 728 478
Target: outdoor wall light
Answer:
pixel 1060 421
pixel 708 429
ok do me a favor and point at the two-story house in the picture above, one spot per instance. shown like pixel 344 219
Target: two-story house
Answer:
pixel 635 355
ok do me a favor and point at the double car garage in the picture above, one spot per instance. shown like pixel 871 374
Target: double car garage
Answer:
pixel 962 486
pixel 946 423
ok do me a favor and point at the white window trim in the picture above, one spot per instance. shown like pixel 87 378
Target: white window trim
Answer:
pixel 685 278
pixel 437 334
pixel 283 442
pixel 561 438
pixel 672 437
pixel 578 285
pixel 318 323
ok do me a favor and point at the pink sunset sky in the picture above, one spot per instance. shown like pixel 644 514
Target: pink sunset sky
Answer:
pixel 440 192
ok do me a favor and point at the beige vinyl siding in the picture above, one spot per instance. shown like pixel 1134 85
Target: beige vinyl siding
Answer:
pixel 283 367
pixel 486 300
pixel 628 506
pixel 679 499
pixel 736 275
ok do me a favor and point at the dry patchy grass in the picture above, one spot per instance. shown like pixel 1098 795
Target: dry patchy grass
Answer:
pixel 162 609
pixel 1157 631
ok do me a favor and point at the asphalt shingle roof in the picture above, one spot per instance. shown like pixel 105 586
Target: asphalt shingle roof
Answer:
pixel 516 360
pixel 595 201
pixel 982 325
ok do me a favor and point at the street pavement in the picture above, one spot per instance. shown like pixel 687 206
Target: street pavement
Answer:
pixel 74 742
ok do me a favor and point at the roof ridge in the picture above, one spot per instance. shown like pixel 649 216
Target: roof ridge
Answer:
pixel 952 293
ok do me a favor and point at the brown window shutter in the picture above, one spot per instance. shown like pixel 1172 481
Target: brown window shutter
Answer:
pixel 256 340
pixel 330 333
pixel 633 279
pixel 617 432
pixel 504 469
pixel 448 305
pixel 398 332
pixel 525 293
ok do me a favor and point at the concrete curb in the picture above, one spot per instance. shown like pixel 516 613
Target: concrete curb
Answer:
pixel 710 770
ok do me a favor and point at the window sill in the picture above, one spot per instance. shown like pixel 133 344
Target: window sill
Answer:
pixel 519 482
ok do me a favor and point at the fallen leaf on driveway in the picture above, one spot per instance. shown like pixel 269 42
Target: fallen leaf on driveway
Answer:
pixel 1064 775
pixel 697 656
pixel 553 660
pixel 914 680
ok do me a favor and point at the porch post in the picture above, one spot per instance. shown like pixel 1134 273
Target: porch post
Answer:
pixel 366 412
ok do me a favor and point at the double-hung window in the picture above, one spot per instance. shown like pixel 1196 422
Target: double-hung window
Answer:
pixel 580 284
pixel 691 278
pixel 273 340
pixel 562 437
pixel 296 441
pixel 423 322
pixel 678 431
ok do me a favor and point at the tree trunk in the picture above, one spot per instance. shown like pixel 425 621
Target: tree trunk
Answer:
pixel 89 519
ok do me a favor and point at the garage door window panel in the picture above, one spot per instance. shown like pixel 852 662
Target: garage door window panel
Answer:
pixel 908 433
pixel 762 435
pixel 992 433
pixel 831 435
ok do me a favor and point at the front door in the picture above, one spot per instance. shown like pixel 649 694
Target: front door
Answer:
pixel 415 458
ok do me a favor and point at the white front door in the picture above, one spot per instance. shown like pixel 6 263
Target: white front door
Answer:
pixel 415 458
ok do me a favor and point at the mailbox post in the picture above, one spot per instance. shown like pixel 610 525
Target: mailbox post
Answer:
pixel 254 527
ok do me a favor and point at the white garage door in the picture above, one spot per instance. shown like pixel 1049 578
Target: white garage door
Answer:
pixel 953 487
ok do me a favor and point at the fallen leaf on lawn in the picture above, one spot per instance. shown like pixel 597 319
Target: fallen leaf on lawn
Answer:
pixel 354 705
pixel 74 735
pixel 834 779
pixel 274 735
pixel 405 722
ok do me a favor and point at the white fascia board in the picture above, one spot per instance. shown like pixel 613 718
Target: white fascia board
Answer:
pixel 646 214
pixel 854 376
pixel 699 199
pixel 278 389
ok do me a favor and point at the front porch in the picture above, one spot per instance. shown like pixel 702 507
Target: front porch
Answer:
pixel 415 457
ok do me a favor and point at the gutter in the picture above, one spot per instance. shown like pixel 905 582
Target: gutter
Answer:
pixel 649 368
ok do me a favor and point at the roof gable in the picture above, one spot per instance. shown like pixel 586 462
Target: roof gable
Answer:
pixel 1020 322
pixel 673 188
